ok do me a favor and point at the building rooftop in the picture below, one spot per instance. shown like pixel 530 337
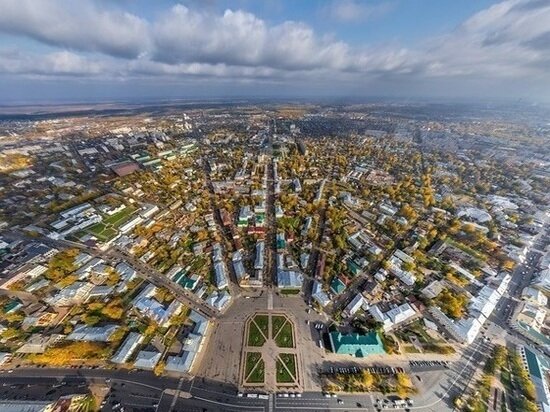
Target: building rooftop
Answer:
pixel 356 344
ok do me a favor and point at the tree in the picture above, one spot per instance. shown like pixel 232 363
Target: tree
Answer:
pixel 404 384
pixel 159 368
pixel 407 266
pixel 367 378
pixel 61 264
pixel 452 304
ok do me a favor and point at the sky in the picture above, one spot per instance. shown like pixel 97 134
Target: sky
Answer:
pixel 108 50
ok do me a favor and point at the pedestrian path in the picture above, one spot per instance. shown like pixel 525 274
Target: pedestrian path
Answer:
pixel 270 299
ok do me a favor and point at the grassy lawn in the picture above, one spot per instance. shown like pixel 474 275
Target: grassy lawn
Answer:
pixel 252 359
pixel 107 229
pixel 102 231
pixel 438 348
pixel 120 217
pixel 410 349
pixel 290 291
pixel 254 368
pixel 277 323
pixel 467 249
pixel 283 374
pixel 263 323
pixel 255 337
pixel 284 338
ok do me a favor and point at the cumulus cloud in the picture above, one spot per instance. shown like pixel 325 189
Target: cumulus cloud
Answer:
pixel 60 63
pixel 508 39
pixel 240 38
pixel 76 25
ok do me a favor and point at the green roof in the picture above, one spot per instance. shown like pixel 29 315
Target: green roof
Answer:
pixel 534 334
pixel 8 307
pixel 337 286
pixel 533 364
pixel 187 283
pixel 356 344
pixel 353 267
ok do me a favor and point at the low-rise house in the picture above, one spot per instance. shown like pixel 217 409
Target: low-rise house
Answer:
pixel 259 260
pixel 337 286
pixel 147 360
pixel 219 300
pixel 125 351
pixel 433 289
pixel 535 296
pixel 238 266
pixel 78 292
pixel 220 275
pixel 289 279
pixel 38 343
pixel 354 305
pixel 319 295
pixel 191 348
pixel 394 317
pixel 148 306
pixel 92 333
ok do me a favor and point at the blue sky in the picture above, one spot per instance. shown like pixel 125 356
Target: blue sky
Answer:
pixel 57 50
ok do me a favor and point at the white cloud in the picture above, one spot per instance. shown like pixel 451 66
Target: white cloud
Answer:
pixel 76 25
pixel 60 63
pixel 508 40
pixel 242 39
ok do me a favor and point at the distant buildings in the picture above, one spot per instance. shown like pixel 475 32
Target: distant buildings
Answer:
pixel 124 168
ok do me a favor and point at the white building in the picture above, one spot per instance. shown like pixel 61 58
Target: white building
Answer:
pixel 354 305
pixel 191 348
pixel 92 333
pixel 125 351
pixel 147 360
pixel 319 295
pixel 393 317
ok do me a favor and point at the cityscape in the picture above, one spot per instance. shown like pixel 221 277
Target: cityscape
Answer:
pixel 263 252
